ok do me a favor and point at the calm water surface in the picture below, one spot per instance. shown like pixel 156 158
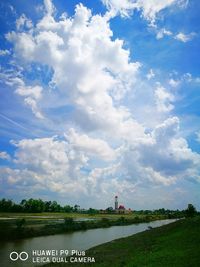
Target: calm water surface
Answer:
pixel 81 240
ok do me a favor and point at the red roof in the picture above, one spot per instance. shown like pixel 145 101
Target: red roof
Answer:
pixel 121 207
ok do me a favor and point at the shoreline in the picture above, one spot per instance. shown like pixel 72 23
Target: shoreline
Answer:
pixel 174 244
pixel 10 232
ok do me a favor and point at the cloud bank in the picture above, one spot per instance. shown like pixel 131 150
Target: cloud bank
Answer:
pixel 105 149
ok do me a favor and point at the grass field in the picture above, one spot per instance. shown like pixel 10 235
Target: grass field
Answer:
pixel 60 215
pixel 173 245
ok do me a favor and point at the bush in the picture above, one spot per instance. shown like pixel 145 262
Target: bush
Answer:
pixel 190 211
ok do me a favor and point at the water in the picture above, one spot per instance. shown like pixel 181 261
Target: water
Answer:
pixel 81 240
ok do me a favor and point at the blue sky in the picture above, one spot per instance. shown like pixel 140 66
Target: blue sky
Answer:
pixel 100 98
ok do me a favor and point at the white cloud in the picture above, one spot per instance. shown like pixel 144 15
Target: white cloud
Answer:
pixel 163 99
pixel 34 92
pixel 180 36
pixel 56 165
pixel 4 155
pixel 107 146
pixel 78 49
pixel 31 94
pixel 150 8
pixel 151 74
pixel 90 146
pixel 61 160
pixel 174 83
pixel 46 155
pixel 50 9
pixel 198 137
pixel 184 37
pixel 162 32
pixel 23 23
pixel 167 155
pixel 51 164
pixel 4 52
pixel 123 7
pixel 177 80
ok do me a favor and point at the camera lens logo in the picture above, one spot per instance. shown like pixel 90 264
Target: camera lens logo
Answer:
pixel 14 256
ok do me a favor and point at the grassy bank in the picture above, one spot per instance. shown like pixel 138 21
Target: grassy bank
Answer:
pixel 18 226
pixel 173 245
pixel 62 215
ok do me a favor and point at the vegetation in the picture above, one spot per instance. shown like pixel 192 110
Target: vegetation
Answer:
pixel 190 211
pixel 35 217
pixel 39 206
pixel 175 244
pixel 24 227
pixel 34 206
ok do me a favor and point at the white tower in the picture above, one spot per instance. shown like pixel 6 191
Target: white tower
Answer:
pixel 116 202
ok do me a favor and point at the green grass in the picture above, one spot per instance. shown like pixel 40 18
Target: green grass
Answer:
pixel 173 245
pixel 60 215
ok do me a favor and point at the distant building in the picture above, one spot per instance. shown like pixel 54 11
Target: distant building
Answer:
pixel 121 208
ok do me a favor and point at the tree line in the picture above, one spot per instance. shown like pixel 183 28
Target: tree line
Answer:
pixel 34 206
pixel 38 205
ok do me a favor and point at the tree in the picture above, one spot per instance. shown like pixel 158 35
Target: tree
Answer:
pixel 6 205
pixel 110 210
pixel 76 208
pixel 47 206
pixel 67 208
pixel 32 205
pixel 55 207
pixel 190 211
pixel 92 211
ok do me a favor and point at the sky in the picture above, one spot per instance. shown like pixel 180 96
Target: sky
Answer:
pixel 100 98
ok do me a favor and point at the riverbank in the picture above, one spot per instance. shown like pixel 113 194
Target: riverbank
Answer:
pixel 175 244
pixel 28 225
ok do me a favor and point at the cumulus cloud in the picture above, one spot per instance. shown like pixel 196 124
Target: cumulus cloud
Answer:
pixel 170 154
pixel 4 52
pixel 50 8
pixel 163 99
pixel 174 83
pixel 105 148
pixel 4 155
pixel 165 158
pixel 185 37
pixel 180 36
pixel 162 32
pixel 78 49
pixel 50 162
pixel 177 79
pixel 91 146
pixel 149 9
pixel 198 137
pixel 23 23
pixel 150 75
pixel 55 163
pixel 31 94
